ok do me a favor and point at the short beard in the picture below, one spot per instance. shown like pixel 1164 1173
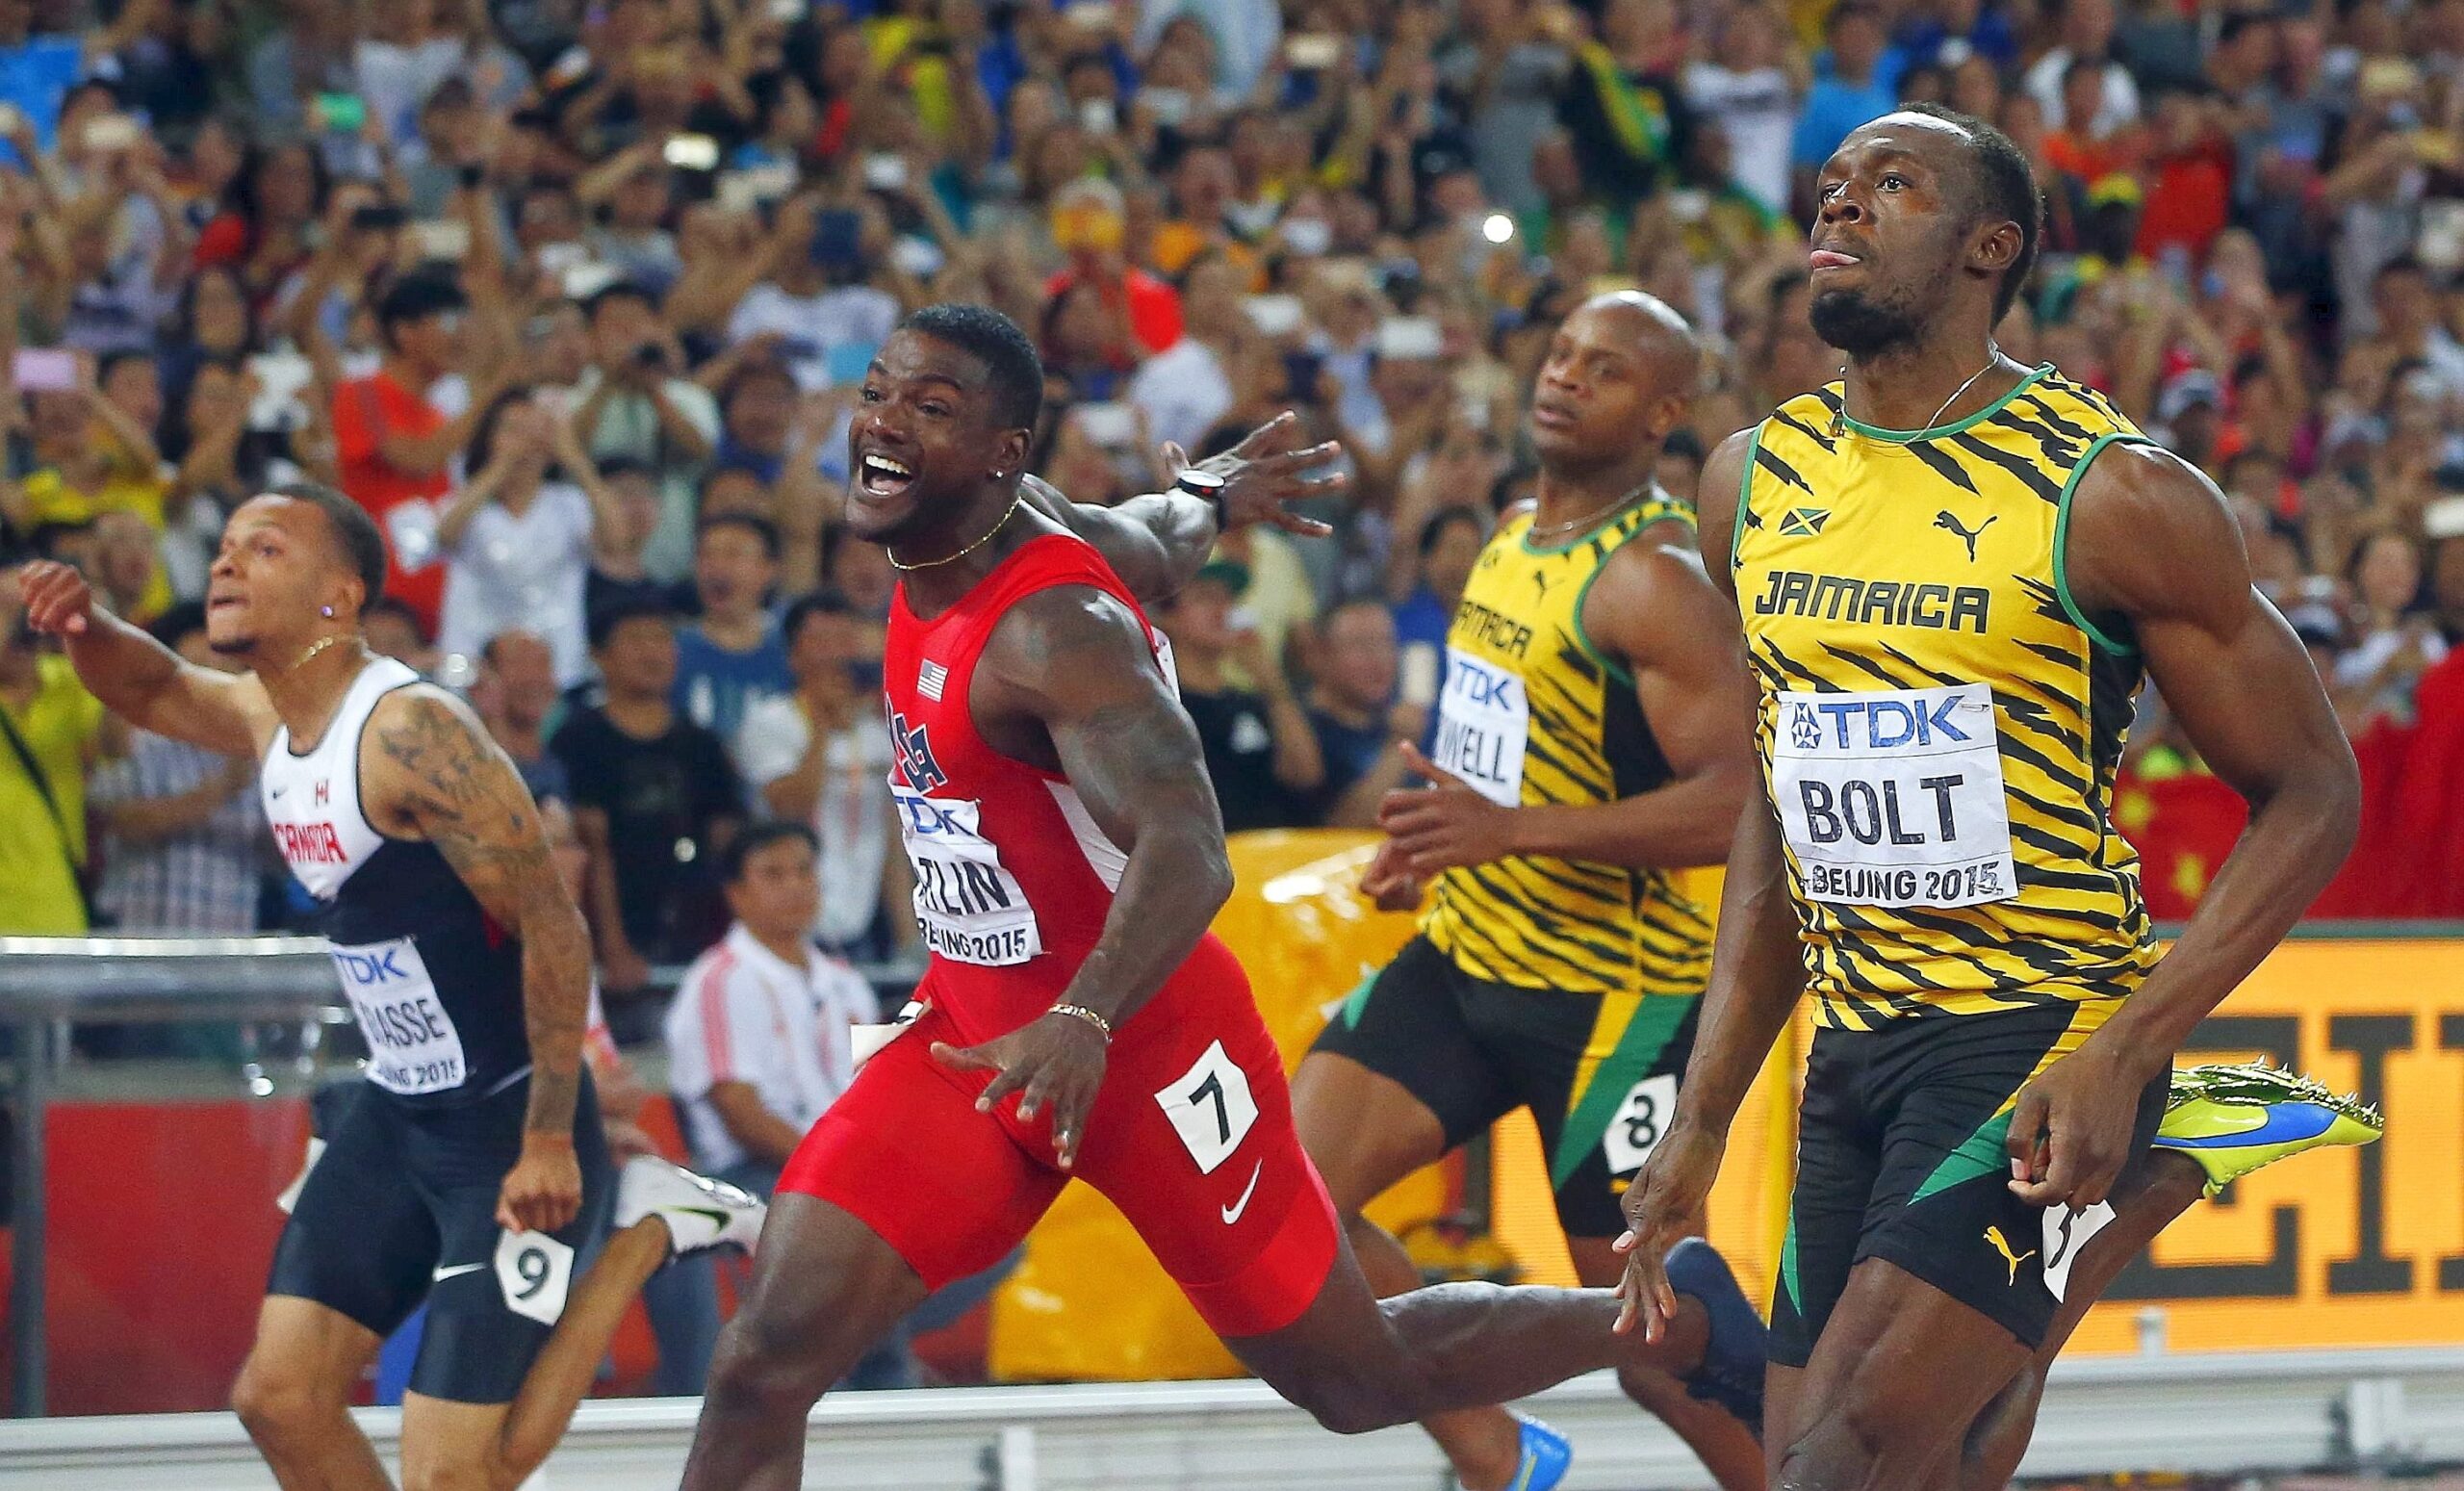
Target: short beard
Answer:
pixel 1861 326
pixel 235 647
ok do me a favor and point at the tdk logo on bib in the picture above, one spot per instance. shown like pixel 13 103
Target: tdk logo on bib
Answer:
pixel 1483 721
pixel 378 966
pixel 970 908
pixel 1894 798
pixel 1876 724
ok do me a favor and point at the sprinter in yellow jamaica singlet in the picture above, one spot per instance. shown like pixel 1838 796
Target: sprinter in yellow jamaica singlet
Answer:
pixel 1592 735
pixel 1951 573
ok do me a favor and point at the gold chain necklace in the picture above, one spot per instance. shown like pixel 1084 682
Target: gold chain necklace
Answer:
pixel 314 648
pixel 1575 525
pixel 1009 512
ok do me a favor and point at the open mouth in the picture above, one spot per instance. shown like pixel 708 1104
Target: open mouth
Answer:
pixel 1549 416
pixel 879 477
pixel 220 602
pixel 1830 259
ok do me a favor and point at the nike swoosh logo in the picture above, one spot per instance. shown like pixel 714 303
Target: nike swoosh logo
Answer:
pixel 277 791
pixel 2285 1124
pixel 718 1217
pixel 1232 1213
pixel 442 1274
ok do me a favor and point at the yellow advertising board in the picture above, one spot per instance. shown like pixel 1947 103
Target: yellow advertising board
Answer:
pixel 2340 1248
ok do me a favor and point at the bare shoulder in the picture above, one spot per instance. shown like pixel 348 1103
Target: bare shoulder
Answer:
pixel 1654 593
pixel 2150 537
pixel 434 758
pixel 1716 502
pixel 1065 642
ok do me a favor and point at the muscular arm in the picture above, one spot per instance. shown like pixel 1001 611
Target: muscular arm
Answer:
pixel 1075 666
pixel 1154 543
pixel 437 774
pixel 1757 972
pixel 1655 610
pixel 2152 540
pixel 142 680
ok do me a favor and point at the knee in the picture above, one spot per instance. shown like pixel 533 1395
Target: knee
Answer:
pixel 759 1368
pixel 1854 1444
pixel 451 1473
pixel 279 1403
pixel 1347 1402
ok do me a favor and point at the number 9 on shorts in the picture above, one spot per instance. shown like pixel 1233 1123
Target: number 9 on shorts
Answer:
pixel 534 1270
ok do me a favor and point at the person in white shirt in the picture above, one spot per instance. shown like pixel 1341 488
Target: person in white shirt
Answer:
pixel 821 757
pixel 816 300
pixel 761 1035
pixel 518 545
pixel 1186 388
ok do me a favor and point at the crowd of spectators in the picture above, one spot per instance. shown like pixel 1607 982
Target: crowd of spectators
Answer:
pixel 574 299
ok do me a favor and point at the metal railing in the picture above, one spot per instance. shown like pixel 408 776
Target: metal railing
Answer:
pixel 50 984
pixel 2207 1414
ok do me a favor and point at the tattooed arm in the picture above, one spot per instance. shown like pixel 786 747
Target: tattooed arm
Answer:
pixel 1068 683
pixel 437 775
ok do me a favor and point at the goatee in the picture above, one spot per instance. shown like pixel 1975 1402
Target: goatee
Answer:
pixel 1859 325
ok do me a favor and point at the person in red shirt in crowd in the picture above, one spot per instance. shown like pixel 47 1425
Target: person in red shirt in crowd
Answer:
pixel 392 447
pixel 1090 223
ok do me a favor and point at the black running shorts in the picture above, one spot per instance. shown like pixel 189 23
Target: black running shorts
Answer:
pixel 402 1207
pixel 1597 1072
pixel 1900 1156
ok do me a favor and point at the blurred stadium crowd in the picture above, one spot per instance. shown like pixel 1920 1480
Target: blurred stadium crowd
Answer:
pixel 575 299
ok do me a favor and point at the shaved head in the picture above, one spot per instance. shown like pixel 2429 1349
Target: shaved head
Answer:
pixel 1620 375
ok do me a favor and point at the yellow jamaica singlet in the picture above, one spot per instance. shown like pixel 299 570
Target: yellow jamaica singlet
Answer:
pixel 1533 713
pixel 1939 723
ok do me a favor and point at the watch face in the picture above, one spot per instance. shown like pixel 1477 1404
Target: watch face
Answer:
pixel 1201 484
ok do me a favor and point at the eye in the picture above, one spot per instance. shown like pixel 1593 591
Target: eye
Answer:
pixel 871 395
pixel 1830 190
pixel 935 408
pixel 1893 181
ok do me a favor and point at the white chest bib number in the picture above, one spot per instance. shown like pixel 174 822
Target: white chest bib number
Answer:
pixel 1894 798
pixel 412 1044
pixel 1482 721
pixel 970 906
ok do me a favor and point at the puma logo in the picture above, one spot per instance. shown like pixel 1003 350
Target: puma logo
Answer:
pixel 1541 583
pixel 1950 523
pixel 2002 1245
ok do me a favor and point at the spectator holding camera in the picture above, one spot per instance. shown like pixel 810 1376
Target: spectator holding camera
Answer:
pixel 394 447
pixel 815 300
pixel 1262 750
pixel 634 402
pixel 519 536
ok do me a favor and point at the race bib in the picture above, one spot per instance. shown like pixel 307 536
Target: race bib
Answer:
pixel 535 1272
pixel 970 908
pixel 1894 798
pixel 1482 721
pixel 412 1044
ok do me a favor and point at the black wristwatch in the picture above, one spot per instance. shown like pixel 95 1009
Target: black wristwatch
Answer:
pixel 1206 485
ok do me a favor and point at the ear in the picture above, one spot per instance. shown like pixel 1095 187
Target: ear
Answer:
pixel 1994 250
pixel 1011 450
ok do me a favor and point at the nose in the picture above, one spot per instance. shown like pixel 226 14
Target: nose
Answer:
pixel 1842 206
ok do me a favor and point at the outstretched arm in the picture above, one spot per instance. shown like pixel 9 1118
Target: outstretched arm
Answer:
pixel 2152 542
pixel 437 775
pixel 1156 542
pixel 1073 666
pixel 139 679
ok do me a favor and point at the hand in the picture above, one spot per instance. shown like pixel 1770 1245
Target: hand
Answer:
pixel 1662 1207
pixel 623 970
pixel 57 600
pixel 1389 882
pixel 1264 475
pixel 1446 825
pixel 2070 1131
pixel 543 1191
pixel 1058 1062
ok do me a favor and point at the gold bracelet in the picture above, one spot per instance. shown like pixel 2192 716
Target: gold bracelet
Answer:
pixel 1080 1012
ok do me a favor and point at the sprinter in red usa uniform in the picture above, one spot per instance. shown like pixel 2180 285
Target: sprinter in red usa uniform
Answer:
pixel 1077 1018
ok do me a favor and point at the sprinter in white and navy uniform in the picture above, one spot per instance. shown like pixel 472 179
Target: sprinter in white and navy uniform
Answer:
pixel 402 1204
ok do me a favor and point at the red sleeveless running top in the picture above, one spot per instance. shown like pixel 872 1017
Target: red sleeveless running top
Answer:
pixel 1013 878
